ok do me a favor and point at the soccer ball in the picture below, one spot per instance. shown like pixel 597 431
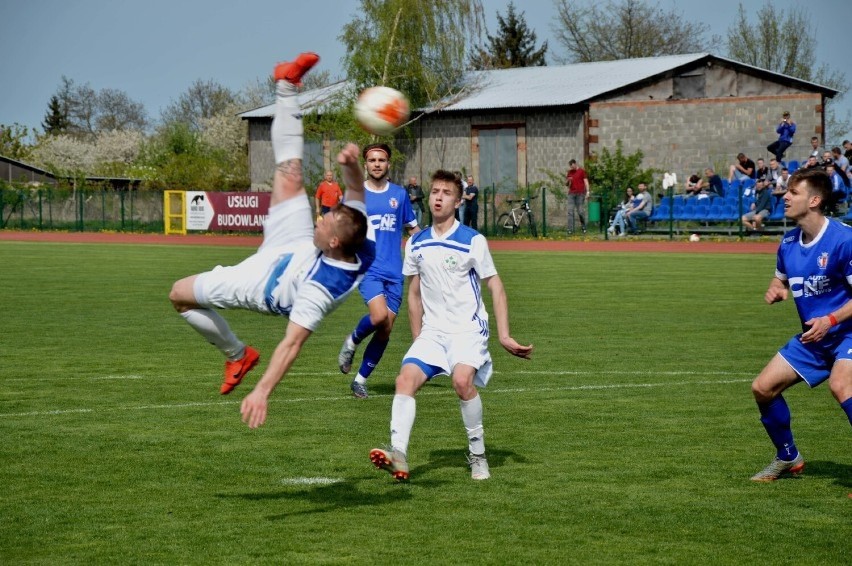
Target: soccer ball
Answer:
pixel 694 238
pixel 380 110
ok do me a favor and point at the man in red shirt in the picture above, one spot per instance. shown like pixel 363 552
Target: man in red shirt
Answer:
pixel 328 194
pixel 578 189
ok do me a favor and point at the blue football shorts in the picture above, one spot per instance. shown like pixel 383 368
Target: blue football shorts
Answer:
pixel 372 286
pixel 813 361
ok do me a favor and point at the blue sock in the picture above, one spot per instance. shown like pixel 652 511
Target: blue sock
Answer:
pixel 364 329
pixel 775 417
pixel 372 356
pixel 847 406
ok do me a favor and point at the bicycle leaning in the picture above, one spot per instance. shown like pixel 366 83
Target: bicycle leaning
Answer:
pixel 512 220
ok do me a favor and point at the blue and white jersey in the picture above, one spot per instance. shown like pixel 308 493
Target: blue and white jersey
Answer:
pixel 389 211
pixel 305 285
pixel 819 273
pixel 450 267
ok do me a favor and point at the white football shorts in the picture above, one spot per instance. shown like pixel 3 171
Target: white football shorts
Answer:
pixel 437 353
pixel 288 229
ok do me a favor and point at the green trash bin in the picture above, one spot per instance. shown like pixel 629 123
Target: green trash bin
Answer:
pixel 594 209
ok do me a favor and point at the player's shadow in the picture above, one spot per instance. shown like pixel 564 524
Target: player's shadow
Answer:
pixel 840 473
pixel 446 458
pixel 325 498
pixel 387 389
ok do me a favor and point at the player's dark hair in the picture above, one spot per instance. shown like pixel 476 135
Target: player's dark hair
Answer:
pixel 817 182
pixel 380 146
pixel 352 231
pixel 448 177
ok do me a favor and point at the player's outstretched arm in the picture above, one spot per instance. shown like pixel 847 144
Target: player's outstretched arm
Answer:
pixel 353 174
pixel 415 306
pixel 254 406
pixel 777 291
pixel 501 314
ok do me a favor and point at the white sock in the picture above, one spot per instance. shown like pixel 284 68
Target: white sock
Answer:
pixel 402 421
pixel 360 379
pixel 472 417
pixel 215 330
pixel 287 130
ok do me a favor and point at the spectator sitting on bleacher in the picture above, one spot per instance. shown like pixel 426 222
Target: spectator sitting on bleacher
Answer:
pixel 762 170
pixel 693 186
pixel 774 172
pixel 642 210
pixel 780 187
pixel 847 147
pixel 838 188
pixel 812 162
pixel 618 223
pixel 842 163
pixel 760 208
pixel 712 187
pixel 816 150
pixel 741 170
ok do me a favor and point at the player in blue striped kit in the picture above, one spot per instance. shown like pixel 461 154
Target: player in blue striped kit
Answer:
pixel 449 325
pixel 814 265
pixel 389 210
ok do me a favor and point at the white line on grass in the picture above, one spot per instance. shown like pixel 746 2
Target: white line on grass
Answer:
pixel 422 393
pixel 310 481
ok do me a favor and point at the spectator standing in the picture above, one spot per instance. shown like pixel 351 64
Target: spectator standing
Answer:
pixel 785 130
pixel 415 195
pixel 471 209
pixel 838 188
pixel 760 208
pixel 328 194
pixel 741 170
pixel 460 209
pixel 578 190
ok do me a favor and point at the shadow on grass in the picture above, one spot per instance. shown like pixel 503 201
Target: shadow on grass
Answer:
pixel 840 473
pixel 453 458
pixel 326 498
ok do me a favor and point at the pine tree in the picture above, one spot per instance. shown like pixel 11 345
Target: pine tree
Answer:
pixel 56 119
pixel 512 46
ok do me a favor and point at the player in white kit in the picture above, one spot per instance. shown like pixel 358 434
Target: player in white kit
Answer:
pixel 298 272
pixel 449 325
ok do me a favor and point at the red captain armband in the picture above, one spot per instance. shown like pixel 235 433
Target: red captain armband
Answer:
pixel 832 319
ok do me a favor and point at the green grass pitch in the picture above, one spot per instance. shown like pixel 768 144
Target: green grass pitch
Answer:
pixel 628 438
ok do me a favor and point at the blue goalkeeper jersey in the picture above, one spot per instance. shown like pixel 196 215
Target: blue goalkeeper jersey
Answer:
pixel 819 273
pixel 389 212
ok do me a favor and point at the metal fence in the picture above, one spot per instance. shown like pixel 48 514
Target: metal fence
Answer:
pixel 81 209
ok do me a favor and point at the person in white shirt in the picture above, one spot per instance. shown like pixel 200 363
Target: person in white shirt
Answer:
pixel 449 325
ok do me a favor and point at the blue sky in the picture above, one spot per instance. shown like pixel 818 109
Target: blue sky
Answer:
pixel 154 50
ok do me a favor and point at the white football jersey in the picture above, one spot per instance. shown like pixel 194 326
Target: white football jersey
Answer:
pixel 450 267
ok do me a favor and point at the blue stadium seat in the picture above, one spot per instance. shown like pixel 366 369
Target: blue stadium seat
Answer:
pixel 715 213
pixel 792 166
pixel 686 213
pixel 777 211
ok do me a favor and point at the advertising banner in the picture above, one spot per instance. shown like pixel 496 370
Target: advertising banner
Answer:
pixel 226 212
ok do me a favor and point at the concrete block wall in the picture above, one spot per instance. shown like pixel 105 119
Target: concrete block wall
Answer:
pixel 687 136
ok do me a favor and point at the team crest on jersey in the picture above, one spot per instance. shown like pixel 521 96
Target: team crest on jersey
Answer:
pixel 822 260
pixel 451 262
pixel 393 203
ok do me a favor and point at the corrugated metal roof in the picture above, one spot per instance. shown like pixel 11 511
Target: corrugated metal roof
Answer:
pixel 556 85
pixel 559 85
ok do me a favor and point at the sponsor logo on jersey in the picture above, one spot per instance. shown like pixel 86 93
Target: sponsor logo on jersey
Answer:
pixel 822 260
pixel 789 239
pixel 814 285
